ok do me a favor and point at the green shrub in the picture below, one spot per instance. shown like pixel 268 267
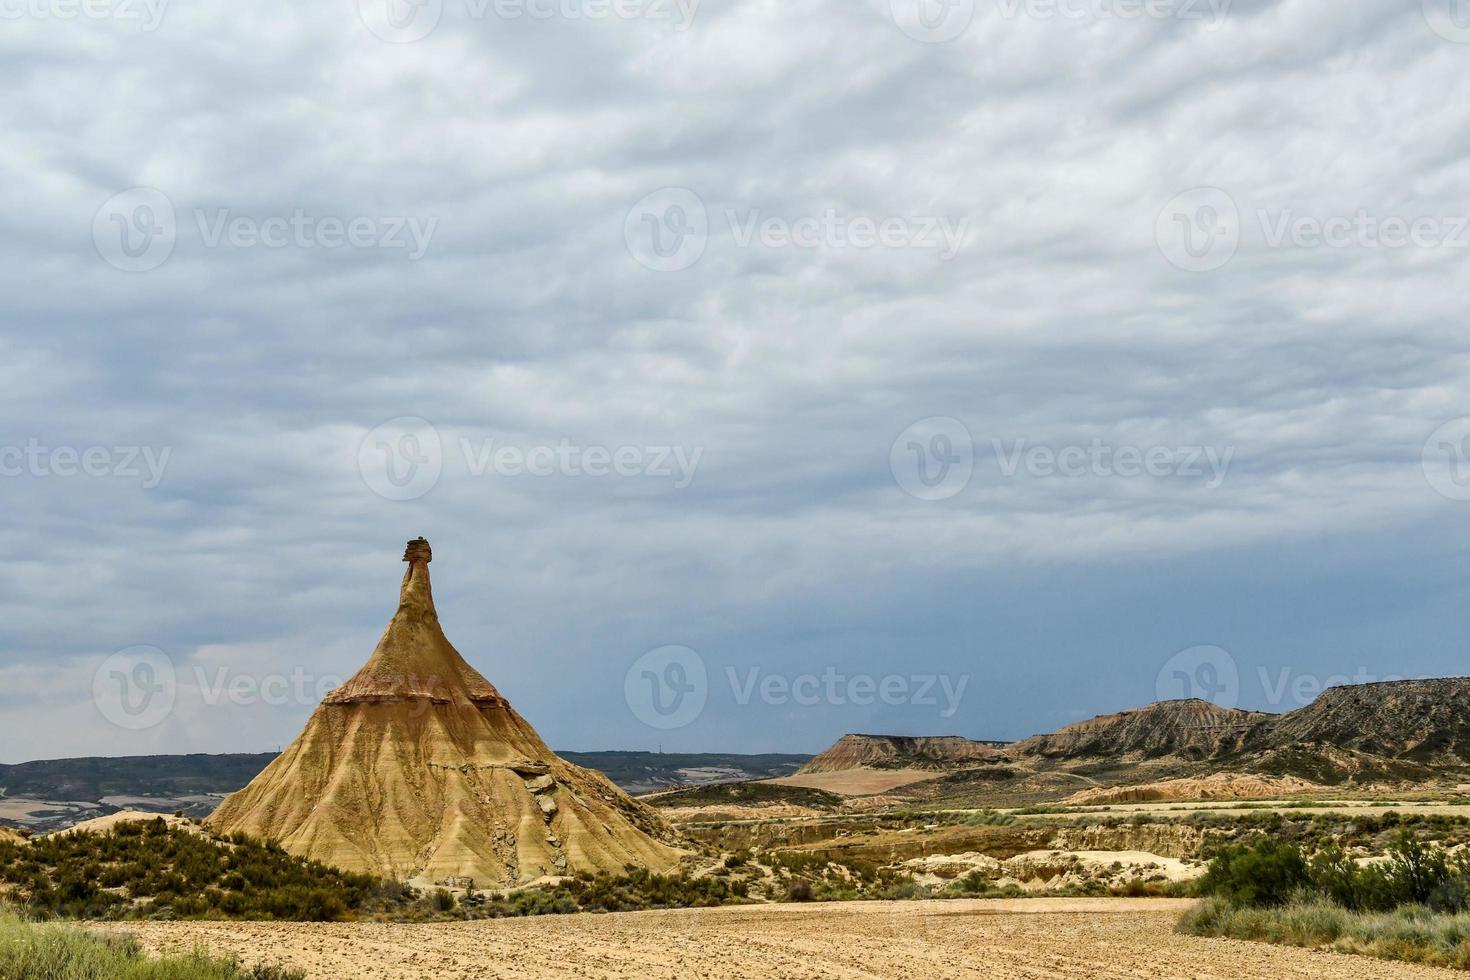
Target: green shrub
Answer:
pixel 31 951
pixel 1264 874
pixel 1411 933
pixel 148 868
pixel 635 890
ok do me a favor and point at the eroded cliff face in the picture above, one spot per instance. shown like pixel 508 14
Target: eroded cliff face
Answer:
pixel 1424 721
pixel 1185 729
pixel 417 768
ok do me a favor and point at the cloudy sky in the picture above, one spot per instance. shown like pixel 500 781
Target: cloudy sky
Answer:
pixel 760 371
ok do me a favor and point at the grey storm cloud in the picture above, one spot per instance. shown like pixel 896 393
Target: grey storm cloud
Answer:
pixel 362 231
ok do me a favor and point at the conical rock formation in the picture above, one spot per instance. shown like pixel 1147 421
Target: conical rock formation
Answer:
pixel 418 769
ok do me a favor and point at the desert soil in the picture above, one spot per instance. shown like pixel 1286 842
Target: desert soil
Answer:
pixel 1098 939
pixel 858 782
pixel 1226 809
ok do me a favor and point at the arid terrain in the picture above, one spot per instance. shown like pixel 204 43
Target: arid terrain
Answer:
pixel 995 940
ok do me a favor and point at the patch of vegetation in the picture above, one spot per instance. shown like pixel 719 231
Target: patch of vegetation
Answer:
pixel 147 869
pixel 981 818
pixel 748 794
pixel 1271 873
pixel 1412 934
pixel 1413 906
pixel 821 877
pixel 30 951
pixel 636 890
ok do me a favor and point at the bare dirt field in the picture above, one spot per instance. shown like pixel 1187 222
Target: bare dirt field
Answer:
pixel 1098 939
pixel 1226 809
pixel 858 782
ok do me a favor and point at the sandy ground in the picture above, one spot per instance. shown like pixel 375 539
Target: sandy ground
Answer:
pixel 1097 939
pixel 1364 807
pixel 858 782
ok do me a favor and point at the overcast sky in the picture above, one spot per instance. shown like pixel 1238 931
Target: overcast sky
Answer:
pixel 960 369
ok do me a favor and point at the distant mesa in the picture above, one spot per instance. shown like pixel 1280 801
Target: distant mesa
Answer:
pixel 932 752
pixel 417 768
pixel 1191 730
pixel 1392 731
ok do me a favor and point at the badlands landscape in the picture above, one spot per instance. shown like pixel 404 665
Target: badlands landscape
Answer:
pixel 419 826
